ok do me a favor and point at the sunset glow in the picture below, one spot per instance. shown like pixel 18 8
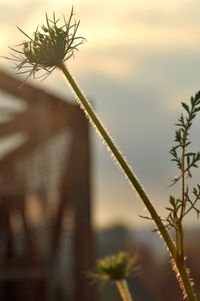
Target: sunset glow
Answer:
pixel 141 59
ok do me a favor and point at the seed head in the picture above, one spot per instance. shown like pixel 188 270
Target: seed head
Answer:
pixel 48 47
pixel 115 267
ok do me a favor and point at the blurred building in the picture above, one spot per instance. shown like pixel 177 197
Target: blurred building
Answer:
pixel 46 244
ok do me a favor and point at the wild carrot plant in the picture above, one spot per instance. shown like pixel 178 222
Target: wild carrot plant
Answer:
pixel 49 48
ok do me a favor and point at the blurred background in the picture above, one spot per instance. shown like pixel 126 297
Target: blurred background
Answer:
pixel 141 59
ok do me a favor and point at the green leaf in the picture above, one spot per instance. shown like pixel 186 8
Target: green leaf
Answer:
pixel 186 107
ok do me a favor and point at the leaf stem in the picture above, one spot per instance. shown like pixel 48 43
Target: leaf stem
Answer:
pixel 123 164
pixel 130 175
pixel 123 289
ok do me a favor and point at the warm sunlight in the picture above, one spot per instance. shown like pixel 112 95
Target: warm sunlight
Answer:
pixel 139 56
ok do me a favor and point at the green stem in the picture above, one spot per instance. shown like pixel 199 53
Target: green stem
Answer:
pixel 185 281
pixel 183 177
pixel 123 289
pixel 179 242
pixel 123 164
pixel 128 172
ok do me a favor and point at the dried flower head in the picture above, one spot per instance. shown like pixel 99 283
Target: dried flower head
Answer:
pixel 48 47
pixel 115 267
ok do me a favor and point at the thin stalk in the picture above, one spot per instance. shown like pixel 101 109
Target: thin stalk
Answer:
pixel 119 158
pixel 129 173
pixel 185 281
pixel 183 178
pixel 179 242
pixel 179 230
pixel 123 289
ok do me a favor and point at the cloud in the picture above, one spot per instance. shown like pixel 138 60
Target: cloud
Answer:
pixel 140 61
pixel 13 12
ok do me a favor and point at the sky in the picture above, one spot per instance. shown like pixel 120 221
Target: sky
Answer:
pixel 141 59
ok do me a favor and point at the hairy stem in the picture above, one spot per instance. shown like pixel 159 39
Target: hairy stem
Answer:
pixel 186 283
pixel 129 173
pixel 123 289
